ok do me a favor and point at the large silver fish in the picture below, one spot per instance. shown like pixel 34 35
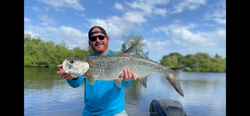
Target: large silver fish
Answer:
pixel 109 67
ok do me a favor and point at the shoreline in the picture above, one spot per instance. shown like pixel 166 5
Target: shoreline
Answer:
pixel 56 67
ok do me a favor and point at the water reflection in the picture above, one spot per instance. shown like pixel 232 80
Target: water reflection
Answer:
pixel 204 94
pixel 45 93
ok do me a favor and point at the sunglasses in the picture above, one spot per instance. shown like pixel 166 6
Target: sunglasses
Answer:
pixel 93 38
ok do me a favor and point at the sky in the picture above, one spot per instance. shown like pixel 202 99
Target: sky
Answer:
pixel 182 26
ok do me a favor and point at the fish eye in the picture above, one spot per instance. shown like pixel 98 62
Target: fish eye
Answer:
pixel 72 61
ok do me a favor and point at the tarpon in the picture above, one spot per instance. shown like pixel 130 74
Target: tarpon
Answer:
pixel 109 67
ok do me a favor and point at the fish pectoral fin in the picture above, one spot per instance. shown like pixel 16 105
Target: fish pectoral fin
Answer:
pixel 118 82
pixel 143 80
pixel 91 81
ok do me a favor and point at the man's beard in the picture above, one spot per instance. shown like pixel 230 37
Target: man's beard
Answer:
pixel 105 47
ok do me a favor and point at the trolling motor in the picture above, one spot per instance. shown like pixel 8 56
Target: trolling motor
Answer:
pixel 166 107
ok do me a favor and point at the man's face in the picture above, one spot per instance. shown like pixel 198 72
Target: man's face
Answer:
pixel 99 45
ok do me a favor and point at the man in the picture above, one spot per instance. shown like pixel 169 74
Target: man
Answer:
pixel 104 97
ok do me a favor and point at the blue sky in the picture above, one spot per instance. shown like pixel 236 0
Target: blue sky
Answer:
pixel 183 26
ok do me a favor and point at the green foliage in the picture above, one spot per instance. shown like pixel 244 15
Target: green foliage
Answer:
pixel 174 60
pixel 206 63
pixel 48 54
pixel 89 50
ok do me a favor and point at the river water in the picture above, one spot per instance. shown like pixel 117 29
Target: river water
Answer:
pixel 47 94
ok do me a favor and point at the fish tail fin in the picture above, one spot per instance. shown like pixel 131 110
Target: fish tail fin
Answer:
pixel 172 78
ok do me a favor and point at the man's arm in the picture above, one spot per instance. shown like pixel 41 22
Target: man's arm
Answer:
pixel 75 82
pixel 126 83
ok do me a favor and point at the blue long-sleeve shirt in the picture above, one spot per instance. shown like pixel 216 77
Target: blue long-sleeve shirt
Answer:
pixel 104 97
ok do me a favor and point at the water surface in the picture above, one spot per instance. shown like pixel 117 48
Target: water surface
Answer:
pixel 46 93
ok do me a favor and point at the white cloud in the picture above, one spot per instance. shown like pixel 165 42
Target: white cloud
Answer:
pixel 71 36
pixel 34 29
pixel 160 11
pixel 64 3
pixel 134 17
pixel 47 19
pixel 181 36
pixel 157 45
pixel 209 24
pixel 188 4
pixel 33 35
pixel 99 2
pixel 141 5
pixel 26 19
pixel 193 25
pixel 35 8
pixel 118 6
pixel 157 49
pixel 217 13
pixel 83 15
pixel 110 27
pixel 218 35
pixel 117 26
pixel 46 8
pixel 220 20
pixel 146 5
pixel 186 42
pixel 45 24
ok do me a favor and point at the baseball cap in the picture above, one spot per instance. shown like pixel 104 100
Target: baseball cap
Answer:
pixel 91 33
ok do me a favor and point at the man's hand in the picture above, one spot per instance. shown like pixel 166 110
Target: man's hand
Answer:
pixel 63 74
pixel 127 75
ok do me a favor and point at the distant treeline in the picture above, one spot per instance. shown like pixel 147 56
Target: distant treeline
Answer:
pixel 205 62
pixel 38 53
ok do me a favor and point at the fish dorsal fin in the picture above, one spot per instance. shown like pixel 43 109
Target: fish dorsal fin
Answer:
pixel 131 50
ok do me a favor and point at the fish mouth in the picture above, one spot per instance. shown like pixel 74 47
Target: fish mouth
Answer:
pixel 66 66
pixel 76 68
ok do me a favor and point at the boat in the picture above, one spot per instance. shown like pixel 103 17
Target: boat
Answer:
pixel 166 107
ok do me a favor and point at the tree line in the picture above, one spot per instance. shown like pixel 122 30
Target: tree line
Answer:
pixel 203 60
pixel 38 53
pixel 48 54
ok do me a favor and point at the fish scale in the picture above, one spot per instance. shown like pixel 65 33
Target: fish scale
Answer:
pixel 112 65
pixel 109 67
